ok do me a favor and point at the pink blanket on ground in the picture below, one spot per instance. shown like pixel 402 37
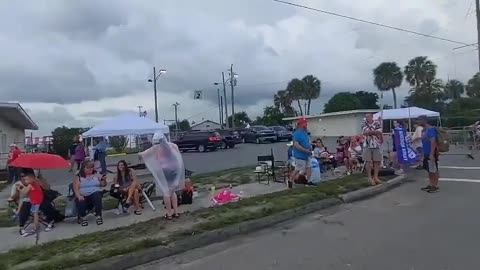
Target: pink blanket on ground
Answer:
pixel 225 196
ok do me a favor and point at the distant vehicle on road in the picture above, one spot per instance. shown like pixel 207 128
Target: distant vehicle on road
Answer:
pixel 259 134
pixel 229 138
pixel 282 133
pixel 199 140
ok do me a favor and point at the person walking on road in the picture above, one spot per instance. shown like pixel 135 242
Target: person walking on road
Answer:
pixel 302 152
pixel 430 154
pixel 372 152
pixel 13 171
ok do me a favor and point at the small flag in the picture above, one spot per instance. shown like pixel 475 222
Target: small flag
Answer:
pixel 197 94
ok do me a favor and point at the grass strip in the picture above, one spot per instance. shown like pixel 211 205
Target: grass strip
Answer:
pixel 96 246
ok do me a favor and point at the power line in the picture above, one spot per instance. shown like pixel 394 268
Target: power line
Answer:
pixel 200 113
pixel 370 22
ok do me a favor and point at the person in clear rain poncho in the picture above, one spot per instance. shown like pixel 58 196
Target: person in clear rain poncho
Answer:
pixel 165 163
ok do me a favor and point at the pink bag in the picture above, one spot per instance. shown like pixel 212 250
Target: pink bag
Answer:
pixel 225 196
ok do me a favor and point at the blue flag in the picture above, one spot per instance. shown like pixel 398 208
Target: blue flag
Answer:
pixel 405 152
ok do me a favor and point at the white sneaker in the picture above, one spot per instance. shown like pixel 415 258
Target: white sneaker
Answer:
pixel 24 233
pixel 50 226
pixel 400 172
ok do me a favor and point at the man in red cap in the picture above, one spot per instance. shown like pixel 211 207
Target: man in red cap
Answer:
pixel 302 151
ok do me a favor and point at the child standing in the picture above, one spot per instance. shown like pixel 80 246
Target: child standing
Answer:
pixel 35 194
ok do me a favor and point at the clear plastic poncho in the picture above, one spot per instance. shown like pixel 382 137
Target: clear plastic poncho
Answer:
pixel 165 163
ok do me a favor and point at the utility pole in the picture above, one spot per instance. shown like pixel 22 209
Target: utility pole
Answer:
pixel 176 104
pixel 477 3
pixel 233 98
pixel 219 107
pixel 155 93
pixel 225 103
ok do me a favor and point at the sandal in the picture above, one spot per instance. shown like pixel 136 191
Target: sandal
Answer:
pixel 84 222
pixel 372 183
pixel 99 220
pixel 176 215
pixel 168 217
pixel 137 212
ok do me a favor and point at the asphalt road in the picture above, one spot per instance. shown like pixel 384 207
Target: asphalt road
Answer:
pixel 404 229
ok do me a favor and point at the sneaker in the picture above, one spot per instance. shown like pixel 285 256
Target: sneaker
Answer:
pixel 399 172
pixel 433 190
pixel 50 226
pixel 24 233
pixel 427 188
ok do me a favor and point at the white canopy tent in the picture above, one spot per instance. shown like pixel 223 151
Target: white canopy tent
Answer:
pixel 124 125
pixel 406 113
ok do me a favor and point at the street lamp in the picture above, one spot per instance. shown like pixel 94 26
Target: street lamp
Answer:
pixel 154 80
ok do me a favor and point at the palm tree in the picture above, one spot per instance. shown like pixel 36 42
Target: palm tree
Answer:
pixel 420 70
pixel 313 87
pixel 454 89
pixel 283 101
pixel 473 86
pixel 296 89
pixel 388 76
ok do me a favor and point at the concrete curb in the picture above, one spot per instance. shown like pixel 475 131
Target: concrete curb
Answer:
pixel 368 192
pixel 131 260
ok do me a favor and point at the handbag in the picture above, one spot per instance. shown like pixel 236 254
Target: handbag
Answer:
pixel 71 207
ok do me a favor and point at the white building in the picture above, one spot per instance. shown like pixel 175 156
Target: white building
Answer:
pixel 13 123
pixel 346 123
pixel 206 125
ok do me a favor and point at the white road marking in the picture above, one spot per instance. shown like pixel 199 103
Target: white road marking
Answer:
pixel 460 180
pixel 459 168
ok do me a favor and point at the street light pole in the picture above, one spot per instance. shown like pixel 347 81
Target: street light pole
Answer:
pixel 477 4
pixel 219 107
pixel 176 115
pixel 225 103
pixel 155 93
pixel 233 98
pixel 154 80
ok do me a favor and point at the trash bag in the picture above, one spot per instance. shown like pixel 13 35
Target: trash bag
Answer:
pixel 71 207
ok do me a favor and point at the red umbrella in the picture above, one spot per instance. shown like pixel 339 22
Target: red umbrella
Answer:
pixel 40 161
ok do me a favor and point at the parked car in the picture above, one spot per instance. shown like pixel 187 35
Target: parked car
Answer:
pixel 199 140
pixel 259 134
pixel 229 138
pixel 282 133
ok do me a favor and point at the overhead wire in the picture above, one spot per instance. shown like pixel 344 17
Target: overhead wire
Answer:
pixel 371 22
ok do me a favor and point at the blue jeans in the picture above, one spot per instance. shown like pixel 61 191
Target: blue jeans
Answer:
pixel 12 175
pixel 103 164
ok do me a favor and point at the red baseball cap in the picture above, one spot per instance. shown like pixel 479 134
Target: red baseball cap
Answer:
pixel 302 122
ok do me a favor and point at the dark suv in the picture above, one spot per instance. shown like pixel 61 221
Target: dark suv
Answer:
pixel 199 140
pixel 229 138
pixel 259 134
pixel 282 133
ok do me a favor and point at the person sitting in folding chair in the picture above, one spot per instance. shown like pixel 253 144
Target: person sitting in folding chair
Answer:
pixel 127 182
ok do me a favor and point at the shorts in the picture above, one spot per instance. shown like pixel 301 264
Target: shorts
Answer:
pixel 431 166
pixel 372 154
pixel 302 165
pixel 35 208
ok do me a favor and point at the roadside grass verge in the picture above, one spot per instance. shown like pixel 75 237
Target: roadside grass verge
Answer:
pixel 96 246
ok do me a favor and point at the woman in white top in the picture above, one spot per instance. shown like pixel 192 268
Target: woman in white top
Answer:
pixel 417 145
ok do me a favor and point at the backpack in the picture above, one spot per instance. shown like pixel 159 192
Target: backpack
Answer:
pixel 442 140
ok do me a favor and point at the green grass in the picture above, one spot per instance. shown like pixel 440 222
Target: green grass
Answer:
pixel 220 179
pixel 93 247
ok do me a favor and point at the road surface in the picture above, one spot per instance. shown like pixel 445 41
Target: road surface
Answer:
pixel 404 229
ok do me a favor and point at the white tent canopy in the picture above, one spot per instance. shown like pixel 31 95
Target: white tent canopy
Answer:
pixel 406 113
pixel 126 124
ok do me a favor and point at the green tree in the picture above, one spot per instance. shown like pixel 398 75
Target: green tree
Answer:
pixel 119 143
pixel 420 70
pixel 313 87
pixel 283 100
pixel 343 101
pixel 241 119
pixel 62 138
pixel 368 100
pixel 388 76
pixel 462 112
pixel 473 86
pixel 296 89
pixel 454 89
pixel 272 116
pixel 183 125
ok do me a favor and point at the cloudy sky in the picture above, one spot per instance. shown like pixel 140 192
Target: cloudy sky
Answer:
pixel 76 62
